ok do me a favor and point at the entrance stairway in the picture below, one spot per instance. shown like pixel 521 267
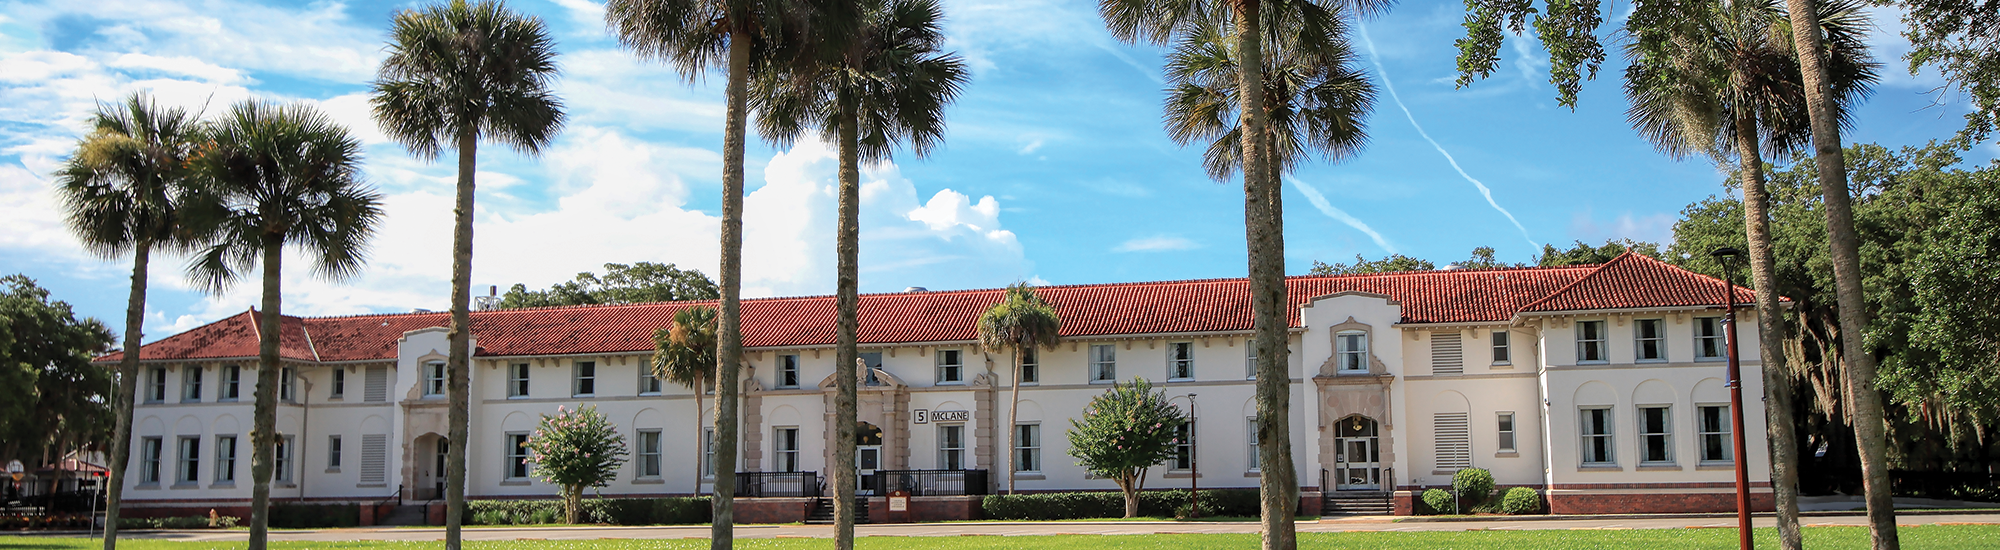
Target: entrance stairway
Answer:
pixel 407 514
pixel 1357 503
pixel 822 511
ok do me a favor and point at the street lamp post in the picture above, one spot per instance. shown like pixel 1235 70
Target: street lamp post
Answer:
pixel 1726 257
pixel 1194 463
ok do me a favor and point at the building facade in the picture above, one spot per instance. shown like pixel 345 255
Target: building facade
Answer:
pixel 1602 385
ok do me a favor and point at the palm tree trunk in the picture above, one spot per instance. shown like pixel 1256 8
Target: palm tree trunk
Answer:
pixel 1778 419
pixel 848 235
pixel 128 387
pixel 1866 401
pixel 457 367
pixel 264 425
pixel 1014 414
pixel 728 331
pixel 1264 227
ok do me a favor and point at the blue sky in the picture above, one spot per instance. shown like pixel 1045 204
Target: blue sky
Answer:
pixel 1055 168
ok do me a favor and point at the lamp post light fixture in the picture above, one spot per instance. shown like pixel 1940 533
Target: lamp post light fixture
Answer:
pixel 1194 461
pixel 1727 256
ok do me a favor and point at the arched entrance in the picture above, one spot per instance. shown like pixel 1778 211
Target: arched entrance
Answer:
pixel 431 450
pixel 867 456
pixel 1357 462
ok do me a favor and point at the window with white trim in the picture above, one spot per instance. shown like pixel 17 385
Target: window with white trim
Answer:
pixel 333 453
pixel 191 384
pixel 225 459
pixel 707 453
pixel 232 383
pixel 1451 434
pixel 339 389
pixel 1649 340
pixel 517 455
pixel 1180 361
pixel 149 459
pixel 1506 431
pixel 788 370
pixel 1250 437
pixel 1709 342
pixel 189 470
pixel 1502 355
pixel 287 386
pixel 517 380
pixel 156 385
pixel 283 460
pixel 1590 342
pixel 1027 447
pixel 1250 358
pixel 1031 368
pixel 434 379
pixel 951 446
pixel 1103 363
pixel 1594 426
pixel 649 453
pixel 950 366
pixel 585 374
pixel 1183 447
pixel 1715 438
pixel 786 444
pixel 1351 349
pixel 649 382
pixel 1656 435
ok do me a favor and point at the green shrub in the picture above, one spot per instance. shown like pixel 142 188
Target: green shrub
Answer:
pixel 1108 504
pixel 184 522
pixel 614 511
pixel 303 516
pixel 1521 500
pixel 1474 485
pixel 1439 501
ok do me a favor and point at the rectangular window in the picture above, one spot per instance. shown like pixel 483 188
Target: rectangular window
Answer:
pixel 1595 427
pixel 649 453
pixel 225 459
pixel 191 384
pixel 1250 358
pixel 149 460
pixel 283 460
pixel 648 383
pixel 1650 340
pixel 517 380
pixel 333 453
pixel 156 385
pixel 950 366
pixel 1506 432
pixel 1027 447
pixel 1180 361
pixel 232 383
pixel 1351 349
pixel 1103 363
pixel 189 470
pixel 1590 342
pixel 375 384
pixel 517 456
pixel 787 446
pixel 434 379
pixel 1501 354
pixel 1452 434
pixel 1250 436
pixel 586 379
pixel 375 459
pixel 286 386
pixel 339 383
pixel 1031 368
pixel 1656 438
pixel 788 371
pixel 708 452
pixel 1184 446
pixel 1708 338
pixel 951 446
pixel 1447 353
pixel 1715 441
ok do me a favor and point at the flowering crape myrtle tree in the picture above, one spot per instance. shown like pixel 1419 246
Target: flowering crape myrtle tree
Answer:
pixel 1123 432
pixel 576 449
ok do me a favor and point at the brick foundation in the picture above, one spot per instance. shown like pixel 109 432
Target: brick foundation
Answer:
pixel 1311 503
pixel 1655 503
pixel 928 509
pixel 772 510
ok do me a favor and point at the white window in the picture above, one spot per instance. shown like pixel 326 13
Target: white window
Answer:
pixel 285 385
pixel 1351 347
pixel 191 384
pixel 1708 339
pixel 1506 431
pixel 951 446
pixel 225 459
pixel 787 446
pixel 1184 446
pixel 1180 361
pixel 375 459
pixel 1031 368
pixel 232 383
pixel 788 371
pixel 433 379
pixel 649 453
pixel 1590 342
pixel 339 383
pixel 333 453
pixel 1656 437
pixel 950 366
pixel 149 460
pixel 1250 437
pixel 189 470
pixel 517 455
pixel 1595 427
pixel 708 452
pixel 517 380
pixel 1027 447
pixel 284 459
pixel 156 385
pixel 375 384
pixel 1451 433
pixel 1650 340
pixel 586 379
pixel 1250 358
pixel 648 383
pixel 1501 354
pixel 1103 363
pixel 1447 353
pixel 1715 441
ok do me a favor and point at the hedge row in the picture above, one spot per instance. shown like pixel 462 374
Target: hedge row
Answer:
pixel 1111 504
pixel 612 511
pixel 307 516
pixel 188 522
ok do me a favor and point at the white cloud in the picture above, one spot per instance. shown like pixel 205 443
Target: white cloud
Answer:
pixel 180 65
pixel 315 40
pixel 1031 147
pixel 1158 243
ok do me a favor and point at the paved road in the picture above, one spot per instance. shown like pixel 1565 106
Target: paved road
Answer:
pixel 1378 523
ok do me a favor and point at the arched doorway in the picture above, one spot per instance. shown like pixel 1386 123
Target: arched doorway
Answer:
pixel 1357 462
pixel 430 455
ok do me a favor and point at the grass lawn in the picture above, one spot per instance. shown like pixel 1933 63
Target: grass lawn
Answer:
pixel 1938 537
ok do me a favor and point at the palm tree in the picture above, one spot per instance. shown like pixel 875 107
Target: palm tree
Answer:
pixel 684 353
pixel 1021 322
pixel 1722 79
pixel 1312 100
pixel 457 73
pixel 1822 90
pixel 121 191
pixel 869 76
pixel 272 176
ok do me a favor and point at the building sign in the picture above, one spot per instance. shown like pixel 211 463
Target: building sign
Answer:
pixel 926 416
pixel 899 501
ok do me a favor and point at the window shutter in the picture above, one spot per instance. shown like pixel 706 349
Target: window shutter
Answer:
pixel 374 458
pixel 1447 353
pixel 375 385
pixel 1453 436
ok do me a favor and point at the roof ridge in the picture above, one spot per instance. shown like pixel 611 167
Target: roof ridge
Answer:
pixel 1599 268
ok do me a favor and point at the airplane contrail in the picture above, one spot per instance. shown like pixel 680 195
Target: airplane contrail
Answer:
pixel 1483 190
pixel 1319 201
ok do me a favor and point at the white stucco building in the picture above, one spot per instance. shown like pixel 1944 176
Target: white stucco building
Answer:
pixel 1602 385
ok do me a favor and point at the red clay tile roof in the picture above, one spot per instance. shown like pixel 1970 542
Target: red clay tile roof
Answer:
pixel 1210 305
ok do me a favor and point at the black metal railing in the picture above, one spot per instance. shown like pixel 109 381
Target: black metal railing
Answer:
pixel 927 483
pixel 777 484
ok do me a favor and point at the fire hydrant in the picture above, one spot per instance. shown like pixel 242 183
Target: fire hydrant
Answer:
pixel 214 520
